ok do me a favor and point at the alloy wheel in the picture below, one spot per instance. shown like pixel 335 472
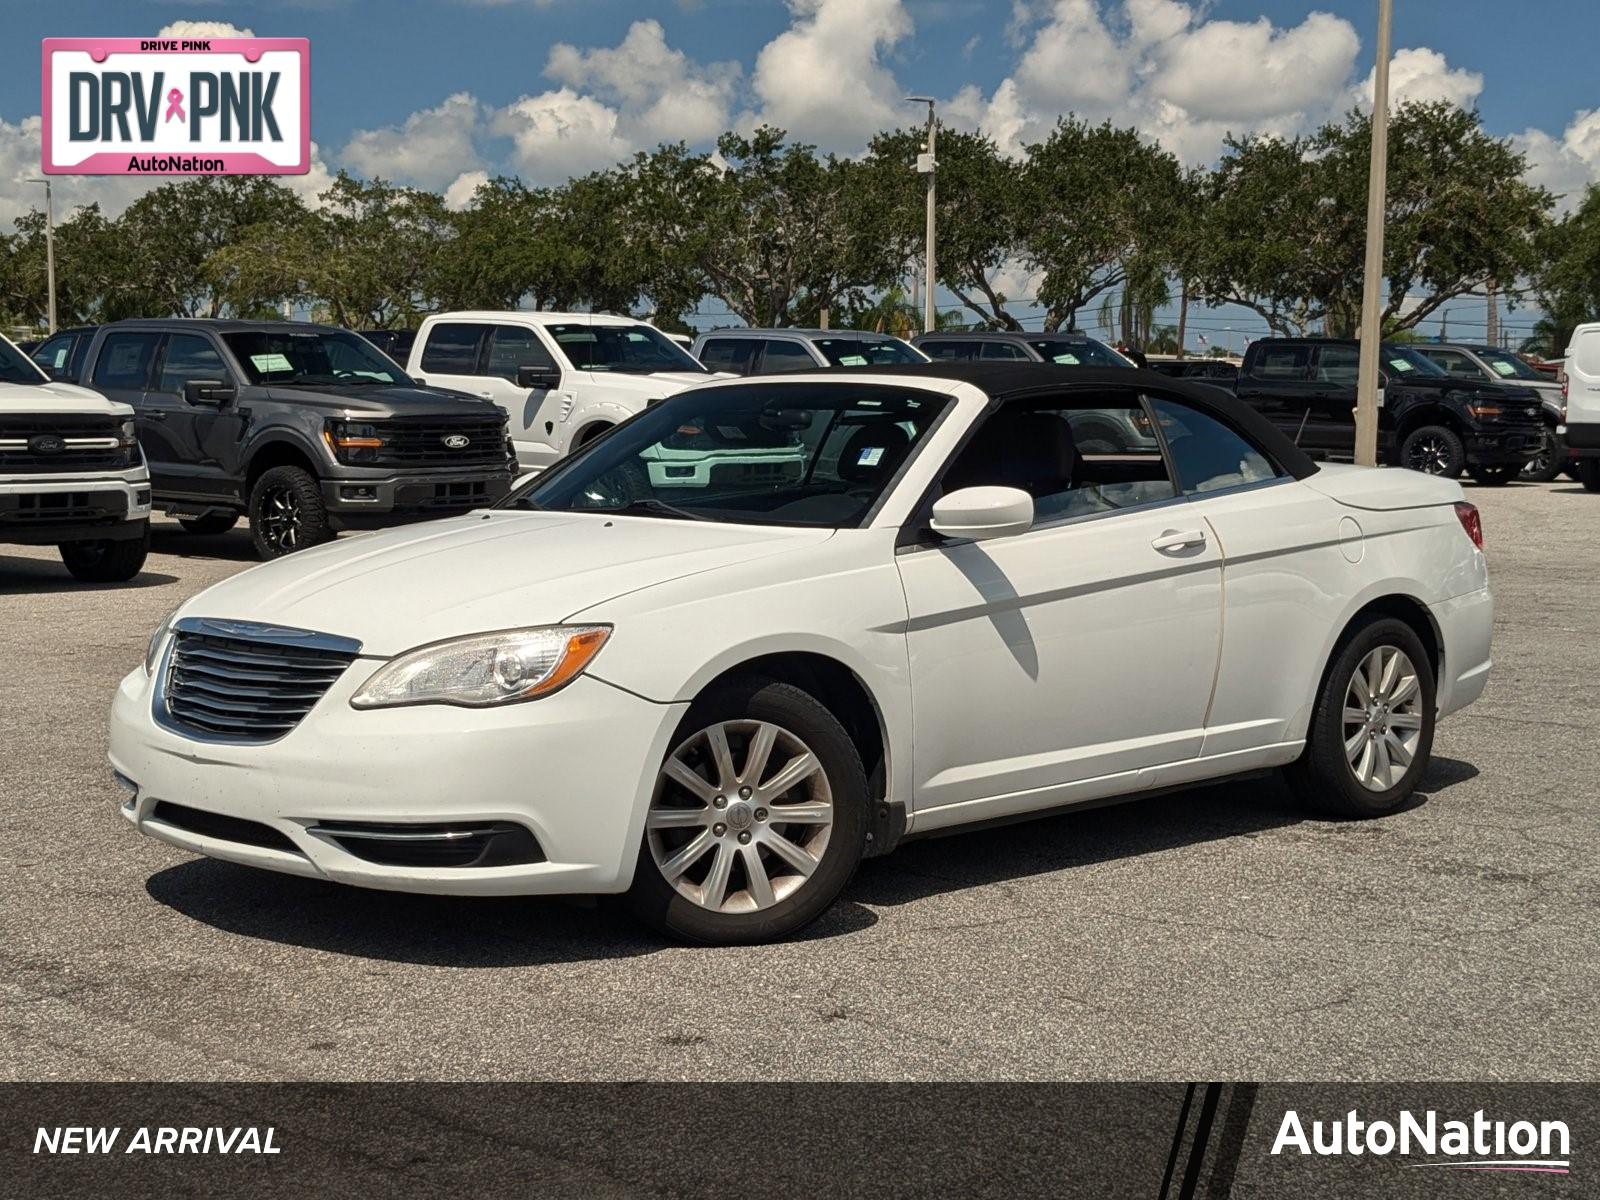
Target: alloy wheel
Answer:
pixel 1430 455
pixel 740 838
pixel 279 519
pixel 1382 718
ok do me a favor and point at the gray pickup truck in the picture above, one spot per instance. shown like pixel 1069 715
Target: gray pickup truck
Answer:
pixel 306 429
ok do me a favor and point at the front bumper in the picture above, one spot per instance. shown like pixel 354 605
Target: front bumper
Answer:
pixel 40 510
pixel 575 769
pixel 1504 449
pixel 356 501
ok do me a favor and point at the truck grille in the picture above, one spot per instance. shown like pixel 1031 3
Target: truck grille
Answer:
pixel 43 443
pixel 426 442
pixel 62 508
pixel 248 688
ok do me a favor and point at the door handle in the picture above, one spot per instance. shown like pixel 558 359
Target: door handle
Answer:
pixel 153 414
pixel 1173 540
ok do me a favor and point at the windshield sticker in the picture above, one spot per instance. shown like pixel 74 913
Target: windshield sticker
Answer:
pixel 870 457
pixel 1070 360
pixel 1503 368
pixel 271 364
pixel 61 358
pixel 852 360
pixel 1400 364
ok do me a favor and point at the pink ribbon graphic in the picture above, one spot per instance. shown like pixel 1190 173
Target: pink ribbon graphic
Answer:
pixel 175 105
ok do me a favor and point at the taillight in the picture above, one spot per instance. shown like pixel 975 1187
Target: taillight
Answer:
pixel 1467 514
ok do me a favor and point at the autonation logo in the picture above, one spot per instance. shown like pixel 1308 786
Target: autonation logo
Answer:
pixel 1480 1144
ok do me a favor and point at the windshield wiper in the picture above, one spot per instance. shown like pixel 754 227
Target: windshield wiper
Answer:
pixel 656 508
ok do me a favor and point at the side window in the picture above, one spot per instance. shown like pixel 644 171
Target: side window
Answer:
pixel 1003 351
pixel 783 356
pixel 1456 364
pixel 728 354
pixel 1283 363
pixel 950 351
pixel 1338 365
pixel 1096 455
pixel 189 357
pixel 1207 455
pixel 452 349
pixel 513 346
pixel 54 357
pixel 124 360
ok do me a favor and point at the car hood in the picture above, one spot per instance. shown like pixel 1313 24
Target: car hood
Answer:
pixel 483 571
pixel 1509 392
pixel 399 400
pixel 57 398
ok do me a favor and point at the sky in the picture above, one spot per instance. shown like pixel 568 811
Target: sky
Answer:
pixel 443 93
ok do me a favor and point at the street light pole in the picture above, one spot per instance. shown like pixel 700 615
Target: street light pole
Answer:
pixel 49 246
pixel 1372 281
pixel 928 164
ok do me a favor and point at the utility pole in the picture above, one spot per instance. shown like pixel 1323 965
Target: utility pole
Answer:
pixel 1372 282
pixel 928 164
pixel 49 246
pixel 1183 314
pixel 1492 332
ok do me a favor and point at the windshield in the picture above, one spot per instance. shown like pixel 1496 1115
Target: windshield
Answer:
pixel 1408 362
pixel 1508 366
pixel 306 357
pixel 624 349
pixel 16 367
pixel 867 352
pixel 1077 352
pixel 807 454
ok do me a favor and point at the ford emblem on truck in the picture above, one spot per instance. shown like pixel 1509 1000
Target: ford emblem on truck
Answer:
pixel 457 441
pixel 46 443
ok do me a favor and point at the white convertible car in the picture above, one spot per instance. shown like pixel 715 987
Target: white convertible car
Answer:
pixel 719 699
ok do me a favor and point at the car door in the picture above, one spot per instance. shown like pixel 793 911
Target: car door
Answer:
pixel 1278 386
pixel 1085 648
pixel 532 413
pixel 1330 417
pixel 204 437
pixel 1004 352
pixel 121 371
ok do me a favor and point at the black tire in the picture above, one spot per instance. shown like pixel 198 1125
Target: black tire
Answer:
pixel 1434 450
pixel 659 904
pixel 287 512
pixel 1496 476
pixel 1589 474
pixel 1546 465
pixel 1323 776
pixel 210 524
pixel 106 561
pixel 589 434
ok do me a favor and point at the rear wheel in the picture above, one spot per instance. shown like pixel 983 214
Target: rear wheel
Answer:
pixel 1372 729
pixel 1546 465
pixel 1434 450
pixel 1497 476
pixel 106 561
pixel 287 512
pixel 210 524
pixel 758 818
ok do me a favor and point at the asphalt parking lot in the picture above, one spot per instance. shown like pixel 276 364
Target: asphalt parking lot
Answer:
pixel 1216 933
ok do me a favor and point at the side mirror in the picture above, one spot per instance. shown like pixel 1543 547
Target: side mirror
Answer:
pixel 538 377
pixel 983 512
pixel 208 393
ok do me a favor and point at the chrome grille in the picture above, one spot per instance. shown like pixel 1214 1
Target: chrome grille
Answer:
pixel 74 441
pixel 245 682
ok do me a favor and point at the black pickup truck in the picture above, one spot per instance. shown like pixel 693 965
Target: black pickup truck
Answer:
pixel 305 428
pixel 1427 420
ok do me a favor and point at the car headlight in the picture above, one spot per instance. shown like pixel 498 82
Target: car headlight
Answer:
pixel 485 669
pixel 158 639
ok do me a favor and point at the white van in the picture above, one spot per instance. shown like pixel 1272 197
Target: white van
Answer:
pixel 1582 383
pixel 563 378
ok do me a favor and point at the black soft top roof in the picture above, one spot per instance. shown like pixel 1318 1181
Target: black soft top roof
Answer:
pixel 1008 381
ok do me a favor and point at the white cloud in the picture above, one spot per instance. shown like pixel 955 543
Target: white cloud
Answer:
pixel 430 148
pixel 558 134
pixel 203 29
pixel 824 80
pixel 459 194
pixel 1423 75
pixel 1568 165
pixel 1237 71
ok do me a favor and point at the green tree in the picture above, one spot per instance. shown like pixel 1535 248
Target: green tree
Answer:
pixel 1567 278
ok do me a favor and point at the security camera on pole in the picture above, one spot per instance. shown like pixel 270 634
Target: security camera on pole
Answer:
pixel 928 165
pixel 1372 282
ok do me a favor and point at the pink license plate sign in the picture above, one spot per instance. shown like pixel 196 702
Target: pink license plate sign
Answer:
pixel 167 106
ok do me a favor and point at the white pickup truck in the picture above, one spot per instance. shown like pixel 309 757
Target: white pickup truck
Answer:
pixel 71 473
pixel 563 378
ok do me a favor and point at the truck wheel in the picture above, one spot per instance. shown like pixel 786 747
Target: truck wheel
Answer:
pixel 106 561
pixel 210 524
pixel 287 512
pixel 1589 474
pixel 1372 729
pixel 1434 450
pixel 1497 476
pixel 1546 465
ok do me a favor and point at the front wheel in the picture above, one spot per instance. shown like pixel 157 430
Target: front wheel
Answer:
pixel 1372 729
pixel 1497 476
pixel 1589 474
pixel 287 512
pixel 1547 464
pixel 758 818
pixel 106 561
pixel 1434 450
